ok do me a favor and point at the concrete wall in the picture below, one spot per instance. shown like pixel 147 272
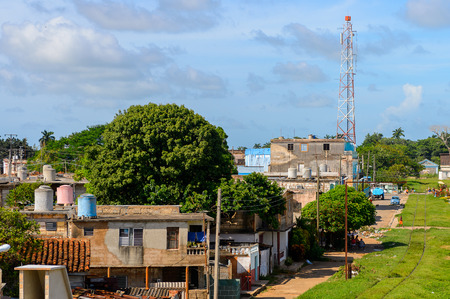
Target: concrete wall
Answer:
pixel 228 289
pixel 282 158
pixel 106 251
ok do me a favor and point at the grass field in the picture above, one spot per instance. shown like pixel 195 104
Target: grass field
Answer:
pixel 381 272
pixel 421 185
pixel 438 211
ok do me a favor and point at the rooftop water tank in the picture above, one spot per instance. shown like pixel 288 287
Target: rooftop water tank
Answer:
pixel 43 199
pixel 87 206
pixel 22 172
pixel 49 173
pixel 306 173
pixel 292 173
pixel 64 195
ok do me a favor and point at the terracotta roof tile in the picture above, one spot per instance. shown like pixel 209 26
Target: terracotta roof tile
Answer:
pixel 72 253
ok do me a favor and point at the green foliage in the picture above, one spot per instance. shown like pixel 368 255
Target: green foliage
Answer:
pixel 361 211
pixel 65 154
pixel 158 154
pixel 18 232
pixel 20 145
pixel 22 195
pixel 254 194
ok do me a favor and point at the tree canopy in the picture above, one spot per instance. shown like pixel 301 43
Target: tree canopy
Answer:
pixel 158 154
pixel 18 232
pixel 361 211
pixel 255 194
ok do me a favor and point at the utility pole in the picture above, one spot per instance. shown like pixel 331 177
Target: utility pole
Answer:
pixel 216 251
pixel 346 237
pixel 10 152
pixel 373 179
pixel 317 195
pixel 340 169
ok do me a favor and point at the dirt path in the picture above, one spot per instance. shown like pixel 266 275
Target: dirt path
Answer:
pixel 292 285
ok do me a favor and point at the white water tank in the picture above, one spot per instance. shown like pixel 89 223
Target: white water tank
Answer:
pixel 306 173
pixel 292 173
pixel 43 199
pixel 22 173
pixel 49 173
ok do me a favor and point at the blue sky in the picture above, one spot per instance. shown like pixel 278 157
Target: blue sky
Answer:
pixel 259 69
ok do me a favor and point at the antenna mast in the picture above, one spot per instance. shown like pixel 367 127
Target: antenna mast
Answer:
pixel 346 103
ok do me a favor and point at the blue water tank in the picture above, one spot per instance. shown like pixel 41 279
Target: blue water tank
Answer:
pixel 87 205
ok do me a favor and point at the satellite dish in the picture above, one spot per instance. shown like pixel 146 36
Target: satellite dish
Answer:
pixel 5 247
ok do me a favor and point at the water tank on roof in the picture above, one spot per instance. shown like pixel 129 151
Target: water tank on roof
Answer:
pixel 292 173
pixel 323 167
pixel 22 172
pixel 49 173
pixel 64 195
pixel 43 199
pixel 87 205
pixel 306 173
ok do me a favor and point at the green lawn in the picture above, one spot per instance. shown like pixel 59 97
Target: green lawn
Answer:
pixel 438 211
pixel 421 185
pixel 381 271
pixel 430 279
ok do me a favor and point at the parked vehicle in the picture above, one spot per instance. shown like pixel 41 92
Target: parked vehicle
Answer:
pixel 395 200
pixel 378 193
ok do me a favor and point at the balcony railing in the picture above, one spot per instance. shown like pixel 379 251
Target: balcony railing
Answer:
pixel 196 250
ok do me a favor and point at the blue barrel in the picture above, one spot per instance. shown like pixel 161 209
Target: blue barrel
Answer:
pixel 87 205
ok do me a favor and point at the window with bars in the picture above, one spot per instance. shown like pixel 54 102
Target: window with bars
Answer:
pixel 88 231
pixel 172 237
pixel 50 226
pixel 290 146
pixel 131 237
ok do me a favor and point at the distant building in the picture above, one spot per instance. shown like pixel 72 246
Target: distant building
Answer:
pixel 444 173
pixel 256 160
pixel 295 165
pixel 430 167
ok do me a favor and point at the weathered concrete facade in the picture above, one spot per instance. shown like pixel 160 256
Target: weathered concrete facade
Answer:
pixel 311 153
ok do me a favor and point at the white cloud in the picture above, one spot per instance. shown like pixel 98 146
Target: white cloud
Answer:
pixel 308 101
pixel 173 16
pixel 412 101
pixel 314 43
pixel 255 83
pixel 303 40
pixel 191 79
pixel 386 41
pixel 300 71
pixel 60 57
pixel 429 13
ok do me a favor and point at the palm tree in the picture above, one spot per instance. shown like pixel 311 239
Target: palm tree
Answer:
pixel 397 133
pixel 46 137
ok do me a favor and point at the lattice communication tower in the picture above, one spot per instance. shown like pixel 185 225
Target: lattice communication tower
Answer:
pixel 346 103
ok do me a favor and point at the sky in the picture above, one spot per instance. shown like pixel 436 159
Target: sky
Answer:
pixel 259 69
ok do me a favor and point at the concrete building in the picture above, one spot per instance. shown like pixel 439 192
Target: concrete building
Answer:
pixel 295 165
pixel 139 246
pixel 444 173
pixel 430 167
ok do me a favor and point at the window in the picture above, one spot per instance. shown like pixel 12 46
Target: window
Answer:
pixel 303 147
pixel 131 237
pixel 290 146
pixel 50 226
pixel 88 231
pixel 172 238
pixel 326 146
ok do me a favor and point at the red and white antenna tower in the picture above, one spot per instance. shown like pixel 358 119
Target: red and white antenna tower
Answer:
pixel 346 103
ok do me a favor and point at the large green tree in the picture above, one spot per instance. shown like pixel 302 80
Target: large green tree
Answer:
pixel 18 232
pixel 159 154
pixel 255 194
pixel 361 211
